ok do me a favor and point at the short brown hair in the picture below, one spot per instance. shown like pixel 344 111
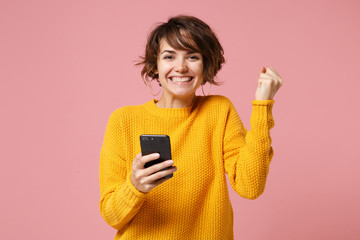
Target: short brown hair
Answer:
pixel 184 33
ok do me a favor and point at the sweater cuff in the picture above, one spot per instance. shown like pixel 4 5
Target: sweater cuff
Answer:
pixel 130 194
pixel 262 114
pixel 263 102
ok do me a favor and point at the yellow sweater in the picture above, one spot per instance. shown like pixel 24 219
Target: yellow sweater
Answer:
pixel 207 141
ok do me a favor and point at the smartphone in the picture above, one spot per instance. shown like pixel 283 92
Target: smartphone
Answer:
pixel 156 144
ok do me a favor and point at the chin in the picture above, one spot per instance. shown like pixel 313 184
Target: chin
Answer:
pixel 182 94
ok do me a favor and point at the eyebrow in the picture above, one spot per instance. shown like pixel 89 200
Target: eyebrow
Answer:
pixel 173 52
pixel 167 51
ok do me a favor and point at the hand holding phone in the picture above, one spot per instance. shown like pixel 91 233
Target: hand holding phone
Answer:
pixel 156 144
pixel 154 165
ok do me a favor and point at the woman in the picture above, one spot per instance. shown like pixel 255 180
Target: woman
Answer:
pixel 207 137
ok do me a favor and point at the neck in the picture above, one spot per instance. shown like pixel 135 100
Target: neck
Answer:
pixel 172 102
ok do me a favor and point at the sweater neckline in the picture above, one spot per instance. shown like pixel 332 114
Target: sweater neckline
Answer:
pixel 170 112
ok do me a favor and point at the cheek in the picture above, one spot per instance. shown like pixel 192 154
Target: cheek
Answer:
pixel 200 69
pixel 200 66
pixel 163 69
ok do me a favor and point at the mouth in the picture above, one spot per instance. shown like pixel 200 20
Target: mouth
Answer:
pixel 181 79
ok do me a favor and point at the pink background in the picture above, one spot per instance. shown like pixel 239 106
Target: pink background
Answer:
pixel 66 65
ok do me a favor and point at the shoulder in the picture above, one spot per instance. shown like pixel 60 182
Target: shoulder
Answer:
pixel 126 112
pixel 217 101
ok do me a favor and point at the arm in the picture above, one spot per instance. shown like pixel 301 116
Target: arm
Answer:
pixel 120 200
pixel 247 154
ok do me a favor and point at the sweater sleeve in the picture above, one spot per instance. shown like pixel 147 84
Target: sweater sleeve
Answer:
pixel 119 200
pixel 247 154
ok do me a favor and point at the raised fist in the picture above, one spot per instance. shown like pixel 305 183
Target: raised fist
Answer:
pixel 268 84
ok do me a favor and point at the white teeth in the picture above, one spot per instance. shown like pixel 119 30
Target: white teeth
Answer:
pixel 180 79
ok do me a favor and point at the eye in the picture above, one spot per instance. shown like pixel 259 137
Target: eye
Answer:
pixel 168 57
pixel 194 57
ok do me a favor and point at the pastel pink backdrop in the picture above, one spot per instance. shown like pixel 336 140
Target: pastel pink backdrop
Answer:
pixel 66 65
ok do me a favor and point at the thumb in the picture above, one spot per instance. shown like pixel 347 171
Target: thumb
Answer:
pixel 263 70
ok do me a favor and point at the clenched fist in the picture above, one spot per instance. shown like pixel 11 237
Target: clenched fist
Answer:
pixel 268 84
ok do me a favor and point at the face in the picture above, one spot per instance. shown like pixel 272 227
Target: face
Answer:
pixel 180 71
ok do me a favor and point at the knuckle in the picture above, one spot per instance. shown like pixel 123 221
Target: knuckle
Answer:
pixel 138 176
pixel 141 181
pixel 136 159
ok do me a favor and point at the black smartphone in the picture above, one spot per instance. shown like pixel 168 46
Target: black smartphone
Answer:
pixel 156 144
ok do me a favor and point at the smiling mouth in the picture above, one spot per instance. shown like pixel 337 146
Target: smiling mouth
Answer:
pixel 181 79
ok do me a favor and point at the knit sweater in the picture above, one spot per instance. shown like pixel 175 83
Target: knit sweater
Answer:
pixel 208 139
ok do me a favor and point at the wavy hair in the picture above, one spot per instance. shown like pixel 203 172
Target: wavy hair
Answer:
pixel 184 33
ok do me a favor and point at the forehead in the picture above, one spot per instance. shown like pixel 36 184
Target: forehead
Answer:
pixel 164 45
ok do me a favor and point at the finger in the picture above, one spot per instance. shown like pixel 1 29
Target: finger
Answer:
pixel 271 84
pixel 157 167
pixel 274 81
pixel 267 80
pixel 265 75
pixel 159 175
pixel 271 81
pixel 269 74
pixel 147 158
pixel 261 81
pixel 136 159
pixel 277 81
pixel 271 71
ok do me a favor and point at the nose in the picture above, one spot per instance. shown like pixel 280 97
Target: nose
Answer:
pixel 181 66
